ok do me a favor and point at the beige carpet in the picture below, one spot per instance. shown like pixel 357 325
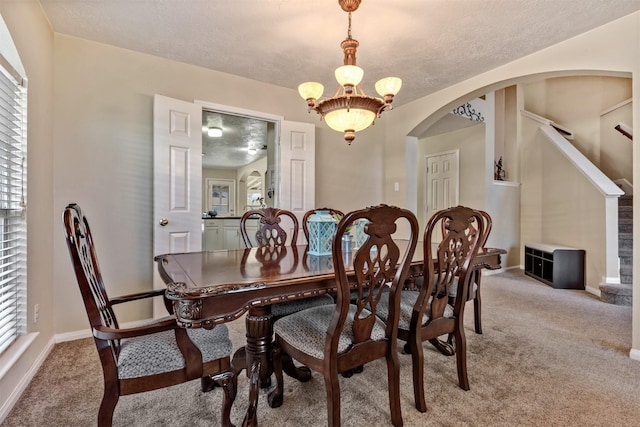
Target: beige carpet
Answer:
pixel 547 358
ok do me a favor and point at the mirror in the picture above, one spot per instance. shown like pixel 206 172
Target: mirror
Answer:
pixel 239 150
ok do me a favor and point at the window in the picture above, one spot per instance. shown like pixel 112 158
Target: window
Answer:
pixel 13 225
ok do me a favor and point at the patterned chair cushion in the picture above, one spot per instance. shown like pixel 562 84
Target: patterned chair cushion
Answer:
pixel 289 307
pixel 158 353
pixel 453 290
pixel 307 330
pixel 407 301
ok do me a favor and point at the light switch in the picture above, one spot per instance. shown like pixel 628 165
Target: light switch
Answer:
pixel 396 186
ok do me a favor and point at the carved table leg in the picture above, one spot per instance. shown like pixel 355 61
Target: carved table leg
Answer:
pixel 251 417
pixel 259 331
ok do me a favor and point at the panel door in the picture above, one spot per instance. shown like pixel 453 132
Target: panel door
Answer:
pixel 442 184
pixel 177 192
pixel 297 170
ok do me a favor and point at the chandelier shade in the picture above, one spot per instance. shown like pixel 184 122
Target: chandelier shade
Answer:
pixel 350 110
pixel 388 86
pixel 310 90
pixel 349 75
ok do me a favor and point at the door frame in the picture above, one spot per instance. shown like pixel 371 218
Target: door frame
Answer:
pixel 273 118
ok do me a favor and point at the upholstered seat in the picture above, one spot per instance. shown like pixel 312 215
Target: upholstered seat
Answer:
pixel 454 289
pixel 341 337
pixel 286 308
pixel 158 353
pixel 407 302
pixel 307 330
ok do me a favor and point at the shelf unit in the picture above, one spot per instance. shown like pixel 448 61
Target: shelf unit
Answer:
pixel 558 266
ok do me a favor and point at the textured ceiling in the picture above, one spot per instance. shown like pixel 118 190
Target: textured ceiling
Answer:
pixel 430 44
pixel 231 150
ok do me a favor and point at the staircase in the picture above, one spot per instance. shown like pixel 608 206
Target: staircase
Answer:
pixel 621 294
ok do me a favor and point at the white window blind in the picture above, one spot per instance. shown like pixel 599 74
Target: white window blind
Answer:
pixel 13 225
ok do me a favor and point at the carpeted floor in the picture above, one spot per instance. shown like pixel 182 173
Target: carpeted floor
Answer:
pixel 547 357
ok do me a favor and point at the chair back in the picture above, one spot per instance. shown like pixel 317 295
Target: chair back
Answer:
pixel 85 263
pixel 488 223
pixel 381 264
pixel 464 233
pixel 307 215
pixel 473 229
pixel 270 232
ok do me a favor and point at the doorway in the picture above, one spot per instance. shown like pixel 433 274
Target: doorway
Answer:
pixel 442 182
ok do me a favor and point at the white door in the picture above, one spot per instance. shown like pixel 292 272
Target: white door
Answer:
pixel 442 183
pixel 297 170
pixel 177 187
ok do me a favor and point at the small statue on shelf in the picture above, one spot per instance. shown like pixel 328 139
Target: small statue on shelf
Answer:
pixel 499 173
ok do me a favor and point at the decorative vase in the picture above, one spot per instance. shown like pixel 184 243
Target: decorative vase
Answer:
pixel 322 227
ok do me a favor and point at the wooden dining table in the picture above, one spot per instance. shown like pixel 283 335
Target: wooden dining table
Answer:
pixel 209 288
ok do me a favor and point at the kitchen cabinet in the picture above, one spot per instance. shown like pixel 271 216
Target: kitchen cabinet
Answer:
pixel 224 233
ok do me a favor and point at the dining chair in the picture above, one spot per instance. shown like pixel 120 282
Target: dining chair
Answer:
pixel 476 277
pixel 271 234
pixel 426 314
pixel 154 355
pixel 271 237
pixel 336 338
pixel 305 218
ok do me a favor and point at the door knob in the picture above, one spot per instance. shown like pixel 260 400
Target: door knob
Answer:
pixel 164 221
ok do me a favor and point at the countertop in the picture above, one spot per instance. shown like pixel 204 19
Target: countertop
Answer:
pixel 221 217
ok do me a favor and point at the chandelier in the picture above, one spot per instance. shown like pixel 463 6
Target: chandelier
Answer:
pixel 350 110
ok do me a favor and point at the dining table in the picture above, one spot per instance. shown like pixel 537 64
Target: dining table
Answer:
pixel 213 287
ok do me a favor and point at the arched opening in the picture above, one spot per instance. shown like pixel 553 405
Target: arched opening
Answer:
pixel 529 205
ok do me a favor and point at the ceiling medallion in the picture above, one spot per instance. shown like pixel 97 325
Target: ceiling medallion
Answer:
pixel 350 110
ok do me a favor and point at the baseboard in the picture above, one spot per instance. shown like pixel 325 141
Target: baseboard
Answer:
pixel 26 380
pixel 86 333
pixel 594 291
pixel 487 272
pixel 72 336
pixel 634 354
pixel 58 338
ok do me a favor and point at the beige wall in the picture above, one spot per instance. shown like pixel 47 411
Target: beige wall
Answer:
pixel 90 141
pixel 470 143
pixel 562 193
pixel 591 53
pixel 616 159
pixel 576 103
pixel 103 157
pixel 577 220
pixel 34 41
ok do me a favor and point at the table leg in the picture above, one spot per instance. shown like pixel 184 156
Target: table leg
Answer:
pixel 254 357
pixel 251 417
pixel 259 324
pixel 259 331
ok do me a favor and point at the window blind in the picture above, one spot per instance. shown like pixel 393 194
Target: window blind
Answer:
pixel 13 227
